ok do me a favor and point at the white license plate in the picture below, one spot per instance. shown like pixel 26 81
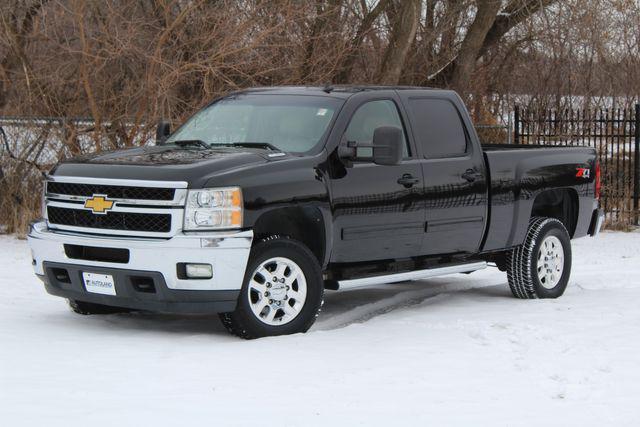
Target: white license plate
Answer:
pixel 99 283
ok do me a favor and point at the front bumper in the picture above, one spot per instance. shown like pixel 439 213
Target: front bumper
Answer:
pixel 149 261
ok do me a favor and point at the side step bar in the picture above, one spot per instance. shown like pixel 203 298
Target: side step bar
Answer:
pixel 414 275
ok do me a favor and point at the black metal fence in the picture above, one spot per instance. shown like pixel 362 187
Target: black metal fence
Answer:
pixel 614 133
pixel 27 145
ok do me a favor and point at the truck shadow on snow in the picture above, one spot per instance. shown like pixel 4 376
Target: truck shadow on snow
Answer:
pixel 341 308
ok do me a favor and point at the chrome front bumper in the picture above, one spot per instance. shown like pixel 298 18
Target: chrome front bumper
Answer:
pixel 227 252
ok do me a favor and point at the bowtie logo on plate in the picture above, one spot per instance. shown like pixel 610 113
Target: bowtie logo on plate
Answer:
pixel 98 204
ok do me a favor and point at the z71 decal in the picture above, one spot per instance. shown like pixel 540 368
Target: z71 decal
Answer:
pixel 583 173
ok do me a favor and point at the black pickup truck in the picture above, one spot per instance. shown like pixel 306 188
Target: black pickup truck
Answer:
pixel 267 197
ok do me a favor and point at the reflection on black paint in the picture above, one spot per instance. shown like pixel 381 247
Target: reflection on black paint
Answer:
pixel 161 155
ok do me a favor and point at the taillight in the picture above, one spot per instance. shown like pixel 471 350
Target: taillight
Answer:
pixel 598 182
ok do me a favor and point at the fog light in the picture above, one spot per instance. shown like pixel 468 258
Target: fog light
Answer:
pixel 199 271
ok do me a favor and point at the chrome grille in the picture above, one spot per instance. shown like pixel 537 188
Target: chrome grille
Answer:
pixel 130 221
pixel 111 191
pixel 139 208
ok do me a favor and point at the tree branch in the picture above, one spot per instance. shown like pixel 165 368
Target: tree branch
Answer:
pixel 403 31
pixel 346 68
pixel 513 14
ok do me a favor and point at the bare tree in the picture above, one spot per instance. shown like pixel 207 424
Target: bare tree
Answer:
pixel 404 16
pixel 464 64
pixel 345 69
pixel 127 63
pixel 492 22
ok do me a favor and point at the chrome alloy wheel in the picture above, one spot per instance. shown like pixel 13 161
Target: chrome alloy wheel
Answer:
pixel 550 262
pixel 277 291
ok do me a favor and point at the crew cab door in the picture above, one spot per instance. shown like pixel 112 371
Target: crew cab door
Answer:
pixel 376 208
pixel 455 179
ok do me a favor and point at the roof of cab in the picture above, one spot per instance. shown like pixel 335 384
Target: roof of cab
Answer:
pixel 340 91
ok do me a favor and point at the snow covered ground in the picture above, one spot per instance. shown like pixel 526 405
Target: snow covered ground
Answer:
pixel 451 351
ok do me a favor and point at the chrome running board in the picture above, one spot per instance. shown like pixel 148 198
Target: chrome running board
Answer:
pixel 414 275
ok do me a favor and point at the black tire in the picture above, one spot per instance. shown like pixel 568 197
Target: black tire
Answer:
pixel 86 308
pixel 244 323
pixel 523 262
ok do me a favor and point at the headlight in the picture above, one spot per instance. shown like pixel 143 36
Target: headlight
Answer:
pixel 213 208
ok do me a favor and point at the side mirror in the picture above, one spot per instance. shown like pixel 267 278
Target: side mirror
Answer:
pixel 163 130
pixel 386 148
pixel 387 145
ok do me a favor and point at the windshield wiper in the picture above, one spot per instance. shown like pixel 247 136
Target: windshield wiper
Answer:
pixel 201 143
pixel 186 142
pixel 254 145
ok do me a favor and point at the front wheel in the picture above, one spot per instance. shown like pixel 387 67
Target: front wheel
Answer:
pixel 541 266
pixel 282 291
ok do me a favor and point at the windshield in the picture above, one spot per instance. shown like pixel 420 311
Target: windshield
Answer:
pixel 291 123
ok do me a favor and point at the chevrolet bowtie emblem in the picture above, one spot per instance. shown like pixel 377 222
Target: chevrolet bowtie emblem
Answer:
pixel 98 204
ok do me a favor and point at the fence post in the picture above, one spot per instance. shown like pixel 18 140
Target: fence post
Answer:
pixel 516 125
pixel 636 169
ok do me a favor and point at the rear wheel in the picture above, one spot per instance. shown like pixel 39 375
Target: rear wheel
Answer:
pixel 541 266
pixel 282 291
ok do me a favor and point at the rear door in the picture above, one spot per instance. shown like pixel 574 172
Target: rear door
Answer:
pixel 376 208
pixel 455 188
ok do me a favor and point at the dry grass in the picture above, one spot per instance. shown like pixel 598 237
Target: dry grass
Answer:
pixel 20 196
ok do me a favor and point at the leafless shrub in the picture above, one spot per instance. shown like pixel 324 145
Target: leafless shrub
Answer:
pixel 128 63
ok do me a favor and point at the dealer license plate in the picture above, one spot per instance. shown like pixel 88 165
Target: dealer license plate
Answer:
pixel 99 283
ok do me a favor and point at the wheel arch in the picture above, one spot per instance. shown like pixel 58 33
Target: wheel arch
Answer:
pixel 303 223
pixel 559 203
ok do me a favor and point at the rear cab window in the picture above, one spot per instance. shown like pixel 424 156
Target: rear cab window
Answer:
pixel 438 127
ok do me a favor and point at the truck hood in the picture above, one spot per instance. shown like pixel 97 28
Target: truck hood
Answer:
pixel 194 165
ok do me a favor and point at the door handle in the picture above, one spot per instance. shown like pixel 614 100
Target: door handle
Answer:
pixel 408 180
pixel 471 175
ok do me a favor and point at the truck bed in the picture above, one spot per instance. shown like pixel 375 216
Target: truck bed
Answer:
pixel 519 173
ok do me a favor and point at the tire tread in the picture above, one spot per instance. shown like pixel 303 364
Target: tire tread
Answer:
pixel 236 323
pixel 520 259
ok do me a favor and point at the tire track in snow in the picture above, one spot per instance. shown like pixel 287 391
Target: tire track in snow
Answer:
pixel 359 305
pixel 366 312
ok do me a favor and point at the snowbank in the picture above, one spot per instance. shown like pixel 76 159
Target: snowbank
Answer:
pixel 457 351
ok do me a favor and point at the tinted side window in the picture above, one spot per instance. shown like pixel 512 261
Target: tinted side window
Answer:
pixel 438 127
pixel 370 116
